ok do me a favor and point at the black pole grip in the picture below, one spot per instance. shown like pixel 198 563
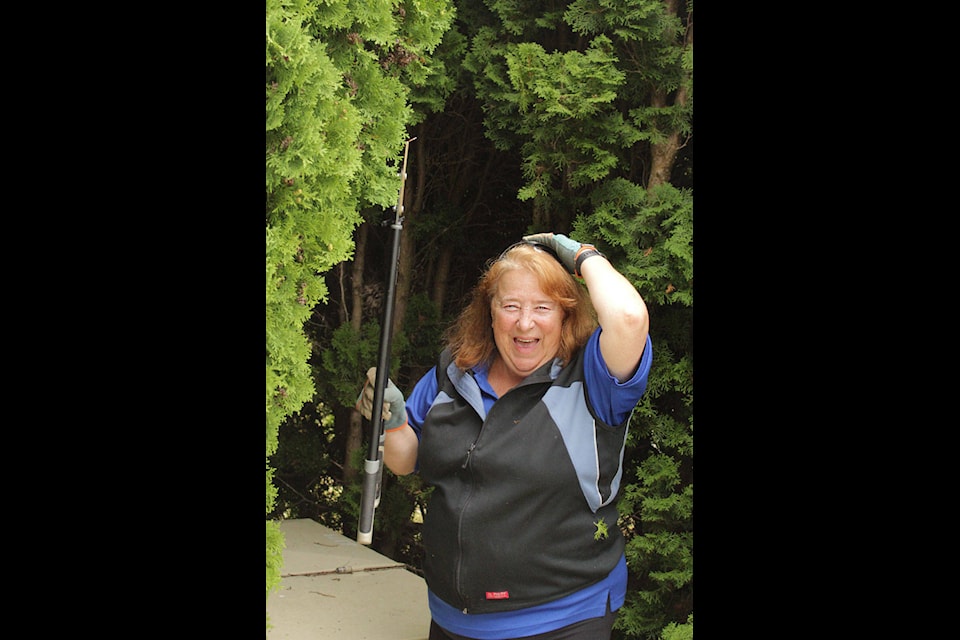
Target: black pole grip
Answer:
pixel 373 465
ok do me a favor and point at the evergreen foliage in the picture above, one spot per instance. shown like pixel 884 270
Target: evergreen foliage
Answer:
pixel 674 631
pixel 648 235
pixel 346 360
pixel 336 118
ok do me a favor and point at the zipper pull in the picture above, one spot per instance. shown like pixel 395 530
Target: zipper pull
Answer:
pixel 466 460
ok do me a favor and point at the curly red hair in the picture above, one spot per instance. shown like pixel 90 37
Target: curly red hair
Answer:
pixel 470 338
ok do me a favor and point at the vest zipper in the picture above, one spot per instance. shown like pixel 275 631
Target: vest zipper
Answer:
pixel 463 509
pixel 466 460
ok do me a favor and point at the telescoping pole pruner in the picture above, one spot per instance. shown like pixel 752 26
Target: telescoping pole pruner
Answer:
pixel 373 465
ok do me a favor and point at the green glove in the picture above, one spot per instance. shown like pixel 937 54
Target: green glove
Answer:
pixel 394 411
pixel 570 252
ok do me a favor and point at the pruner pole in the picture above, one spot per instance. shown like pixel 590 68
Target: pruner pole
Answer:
pixel 373 465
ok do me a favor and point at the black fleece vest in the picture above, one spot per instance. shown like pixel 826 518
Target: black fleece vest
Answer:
pixel 523 509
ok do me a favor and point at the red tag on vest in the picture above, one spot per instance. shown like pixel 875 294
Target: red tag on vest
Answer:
pixel 498 595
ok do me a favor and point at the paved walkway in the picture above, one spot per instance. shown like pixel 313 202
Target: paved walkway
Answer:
pixel 334 588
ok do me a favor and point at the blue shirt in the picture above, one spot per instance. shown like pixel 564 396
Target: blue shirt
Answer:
pixel 613 402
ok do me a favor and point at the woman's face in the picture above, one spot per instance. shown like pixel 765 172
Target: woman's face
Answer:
pixel 526 323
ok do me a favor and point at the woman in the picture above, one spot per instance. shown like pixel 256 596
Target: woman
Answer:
pixel 520 430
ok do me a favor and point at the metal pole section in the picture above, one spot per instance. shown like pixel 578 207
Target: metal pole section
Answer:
pixel 373 465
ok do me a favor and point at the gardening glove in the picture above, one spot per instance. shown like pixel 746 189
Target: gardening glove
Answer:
pixel 394 412
pixel 570 253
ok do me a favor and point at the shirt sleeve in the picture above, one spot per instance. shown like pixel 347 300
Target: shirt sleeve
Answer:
pixel 421 399
pixel 611 399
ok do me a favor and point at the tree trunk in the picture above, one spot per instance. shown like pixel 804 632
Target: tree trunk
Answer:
pixel 441 274
pixel 407 247
pixel 541 219
pixel 355 426
pixel 356 276
pixel 664 155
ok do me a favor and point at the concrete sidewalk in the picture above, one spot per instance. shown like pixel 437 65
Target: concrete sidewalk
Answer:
pixel 334 588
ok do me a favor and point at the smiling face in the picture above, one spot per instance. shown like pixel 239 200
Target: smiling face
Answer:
pixel 526 323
